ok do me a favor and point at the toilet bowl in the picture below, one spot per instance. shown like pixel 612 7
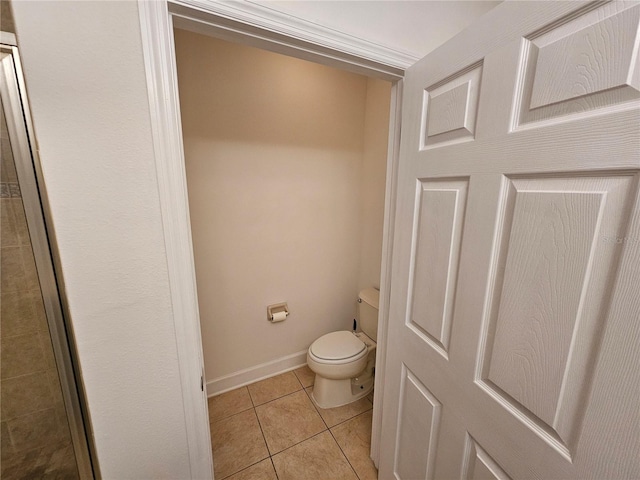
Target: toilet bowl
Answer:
pixel 344 361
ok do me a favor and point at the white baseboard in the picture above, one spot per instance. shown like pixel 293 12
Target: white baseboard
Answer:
pixel 253 374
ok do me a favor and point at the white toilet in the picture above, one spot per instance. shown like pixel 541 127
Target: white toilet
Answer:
pixel 344 361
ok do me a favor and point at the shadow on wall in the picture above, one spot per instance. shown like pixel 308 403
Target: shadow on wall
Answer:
pixel 6 17
pixel 266 98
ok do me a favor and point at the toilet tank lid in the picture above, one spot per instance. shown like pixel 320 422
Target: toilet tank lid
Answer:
pixel 370 296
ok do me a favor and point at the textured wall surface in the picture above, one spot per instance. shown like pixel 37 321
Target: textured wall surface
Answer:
pixel 85 78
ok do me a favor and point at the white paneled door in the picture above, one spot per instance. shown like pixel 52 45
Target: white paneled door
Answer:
pixel 514 336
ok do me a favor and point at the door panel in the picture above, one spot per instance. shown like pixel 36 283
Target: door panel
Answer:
pixel 514 307
pixel 478 465
pixel 450 108
pixel 420 414
pixel 587 68
pixel 437 240
pixel 553 282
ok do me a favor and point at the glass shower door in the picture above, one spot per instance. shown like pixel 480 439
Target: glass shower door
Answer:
pixel 42 429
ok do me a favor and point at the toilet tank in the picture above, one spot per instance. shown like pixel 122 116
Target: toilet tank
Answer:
pixel 368 300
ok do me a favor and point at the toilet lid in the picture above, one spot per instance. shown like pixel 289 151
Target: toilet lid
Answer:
pixel 337 345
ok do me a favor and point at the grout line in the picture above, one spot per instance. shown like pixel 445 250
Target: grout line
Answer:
pixel 49 407
pixel 276 398
pixel 248 393
pixel 299 381
pixel 35 372
pixel 351 418
pixel 343 421
pixel 227 416
pixel 218 420
pixel 317 409
pixel 303 385
pixel 298 443
pixel 265 438
pixel 344 454
pixel 274 467
pixel 243 469
pixel 327 429
pixel 262 432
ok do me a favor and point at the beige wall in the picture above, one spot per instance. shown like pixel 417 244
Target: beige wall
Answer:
pixel 86 83
pixel 278 195
pixel 373 178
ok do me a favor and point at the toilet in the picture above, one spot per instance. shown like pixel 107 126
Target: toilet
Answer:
pixel 344 361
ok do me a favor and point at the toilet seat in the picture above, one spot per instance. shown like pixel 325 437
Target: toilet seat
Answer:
pixel 337 348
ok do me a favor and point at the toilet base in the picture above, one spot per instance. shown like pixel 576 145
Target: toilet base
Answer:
pixel 328 393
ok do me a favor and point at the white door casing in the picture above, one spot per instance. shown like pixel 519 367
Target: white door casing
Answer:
pixel 514 324
pixel 260 27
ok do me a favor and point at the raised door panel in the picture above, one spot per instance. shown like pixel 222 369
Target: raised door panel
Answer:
pixel 417 433
pixel 553 265
pixel 450 108
pixel 440 215
pixel 450 111
pixel 478 464
pixel 584 66
pixel 574 66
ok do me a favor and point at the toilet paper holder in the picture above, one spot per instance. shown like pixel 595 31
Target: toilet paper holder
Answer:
pixel 275 312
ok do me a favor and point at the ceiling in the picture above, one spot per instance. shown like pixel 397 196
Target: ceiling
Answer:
pixel 412 27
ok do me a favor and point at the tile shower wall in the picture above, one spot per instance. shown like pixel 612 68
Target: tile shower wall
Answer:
pixel 35 440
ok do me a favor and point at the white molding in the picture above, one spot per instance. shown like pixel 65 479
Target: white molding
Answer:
pixel 393 159
pixel 160 68
pixel 254 374
pixel 253 13
pixel 157 19
pixel 263 27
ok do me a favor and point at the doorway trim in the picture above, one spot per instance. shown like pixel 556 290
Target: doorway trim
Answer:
pixel 250 24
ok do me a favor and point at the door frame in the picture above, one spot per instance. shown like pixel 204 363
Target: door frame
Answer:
pixel 258 26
